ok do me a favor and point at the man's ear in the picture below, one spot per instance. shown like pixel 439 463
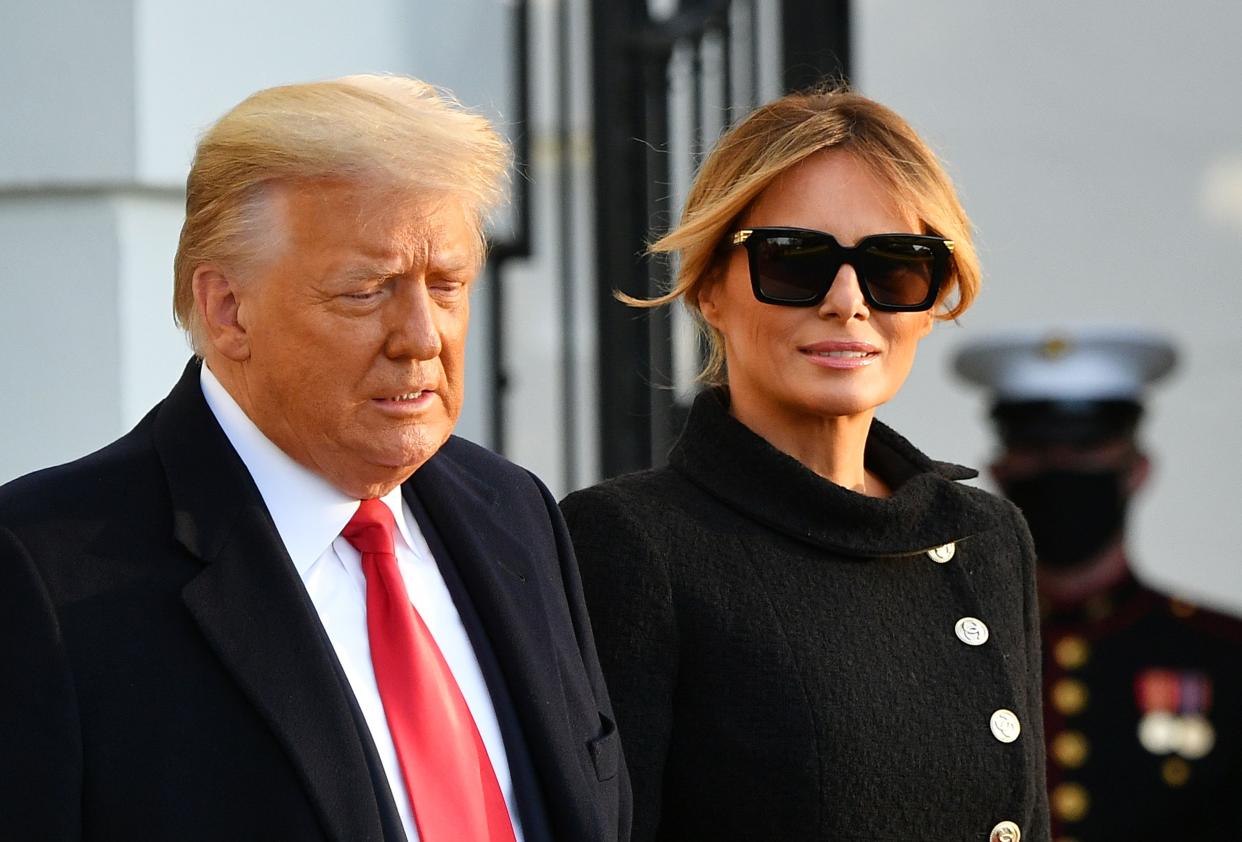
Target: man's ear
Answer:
pixel 216 296
pixel 1139 471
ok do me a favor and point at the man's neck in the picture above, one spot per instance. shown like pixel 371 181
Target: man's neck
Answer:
pixel 1070 586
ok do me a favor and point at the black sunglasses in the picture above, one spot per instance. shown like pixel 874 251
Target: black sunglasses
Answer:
pixel 796 266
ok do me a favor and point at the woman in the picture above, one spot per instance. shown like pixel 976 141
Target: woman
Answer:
pixel 810 630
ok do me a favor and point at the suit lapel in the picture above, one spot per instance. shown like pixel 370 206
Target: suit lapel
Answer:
pixel 507 585
pixel 255 613
pixel 497 570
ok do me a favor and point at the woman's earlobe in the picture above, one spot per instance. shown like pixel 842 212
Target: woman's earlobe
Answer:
pixel 708 308
pixel 706 299
pixel 929 324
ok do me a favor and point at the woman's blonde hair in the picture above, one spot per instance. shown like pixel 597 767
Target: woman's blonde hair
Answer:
pixel 385 131
pixel 769 142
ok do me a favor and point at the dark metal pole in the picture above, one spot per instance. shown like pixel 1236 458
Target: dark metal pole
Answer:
pixel 519 245
pixel 569 332
pixel 620 231
pixel 659 212
pixel 816 39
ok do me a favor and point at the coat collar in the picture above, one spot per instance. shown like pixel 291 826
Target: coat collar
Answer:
pixel 251 607
pixel 927 508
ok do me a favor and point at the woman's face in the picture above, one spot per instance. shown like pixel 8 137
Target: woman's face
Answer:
pixel 791 365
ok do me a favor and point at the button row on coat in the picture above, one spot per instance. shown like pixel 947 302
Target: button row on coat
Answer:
pixel 974 632
pixel 1004 723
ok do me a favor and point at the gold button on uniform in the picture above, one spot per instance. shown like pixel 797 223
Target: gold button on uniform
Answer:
pixel 1070 802
pixel 1005 831
pixel 942 553
pixel 972 632
pixel 1069 749
pixel 1181 608
pixel 1175 772
pixel 1069 696
pixel 1071 652
pixel 1005 726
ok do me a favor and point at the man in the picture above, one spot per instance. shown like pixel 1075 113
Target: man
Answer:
pixel 1143 692
pixel 289 604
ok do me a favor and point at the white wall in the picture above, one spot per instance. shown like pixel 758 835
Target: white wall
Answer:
pixel 59 356
pixel 1093 144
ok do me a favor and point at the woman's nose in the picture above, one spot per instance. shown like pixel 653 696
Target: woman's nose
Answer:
pixel 845 298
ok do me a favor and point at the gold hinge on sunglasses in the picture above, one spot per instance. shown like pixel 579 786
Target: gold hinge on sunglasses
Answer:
pixel 948 244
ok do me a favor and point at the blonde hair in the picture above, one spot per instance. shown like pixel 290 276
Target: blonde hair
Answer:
pixel 386 131
pixel 770 141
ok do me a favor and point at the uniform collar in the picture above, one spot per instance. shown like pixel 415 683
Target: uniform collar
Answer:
pixel 927 508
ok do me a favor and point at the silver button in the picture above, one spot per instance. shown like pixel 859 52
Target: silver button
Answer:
pixel 1005 726
pixel 971 631
pixel 942 553
pixel 1005 831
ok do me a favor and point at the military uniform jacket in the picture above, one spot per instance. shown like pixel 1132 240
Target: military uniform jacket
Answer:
pixel 1144 719
pixel 790 660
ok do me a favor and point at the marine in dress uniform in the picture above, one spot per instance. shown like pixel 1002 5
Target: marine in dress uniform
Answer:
pixel 1143 691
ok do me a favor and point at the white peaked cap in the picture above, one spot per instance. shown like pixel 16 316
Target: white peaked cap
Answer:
pixel 1081 363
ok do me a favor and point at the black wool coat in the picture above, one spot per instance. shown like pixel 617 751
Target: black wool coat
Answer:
pixel 783 654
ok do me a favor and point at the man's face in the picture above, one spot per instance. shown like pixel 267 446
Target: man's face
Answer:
pixel 356 331
pixel 1025 460
pixel 1074 497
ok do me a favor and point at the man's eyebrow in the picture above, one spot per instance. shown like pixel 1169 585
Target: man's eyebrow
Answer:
pixel 456 260
pixel 363 269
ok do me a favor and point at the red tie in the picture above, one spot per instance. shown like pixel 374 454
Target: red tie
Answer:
pixel 449 778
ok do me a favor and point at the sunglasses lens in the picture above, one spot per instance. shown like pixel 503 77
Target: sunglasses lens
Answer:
pixel 899 272
pixel 794 269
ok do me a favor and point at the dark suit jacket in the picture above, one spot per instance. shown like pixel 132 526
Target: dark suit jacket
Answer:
pixel 166 675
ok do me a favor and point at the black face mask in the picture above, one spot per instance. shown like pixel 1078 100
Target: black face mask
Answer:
pixel 1072 514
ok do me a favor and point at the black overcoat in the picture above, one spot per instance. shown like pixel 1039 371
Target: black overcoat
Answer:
pixel 784 654
pixel 165 675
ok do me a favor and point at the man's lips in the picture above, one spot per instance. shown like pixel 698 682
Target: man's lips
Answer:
pixel 414 399
pixel 837 354
pixel 405 396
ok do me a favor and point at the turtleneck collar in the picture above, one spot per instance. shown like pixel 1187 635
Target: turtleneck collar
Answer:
pixel 926 509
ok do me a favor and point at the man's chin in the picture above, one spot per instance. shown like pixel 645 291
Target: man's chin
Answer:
pixel 406 454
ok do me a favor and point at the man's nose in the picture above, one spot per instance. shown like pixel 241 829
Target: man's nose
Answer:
pixel 844 300
pixel 413 332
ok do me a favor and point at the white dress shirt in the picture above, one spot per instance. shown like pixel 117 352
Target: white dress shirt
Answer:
pixel 309 514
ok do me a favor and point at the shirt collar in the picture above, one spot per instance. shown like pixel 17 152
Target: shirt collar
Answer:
pixel 308 511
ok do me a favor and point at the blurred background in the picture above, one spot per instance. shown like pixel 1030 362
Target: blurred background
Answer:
pixel 1097 146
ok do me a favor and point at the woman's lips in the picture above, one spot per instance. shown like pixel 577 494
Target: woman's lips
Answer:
pixel 840 354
